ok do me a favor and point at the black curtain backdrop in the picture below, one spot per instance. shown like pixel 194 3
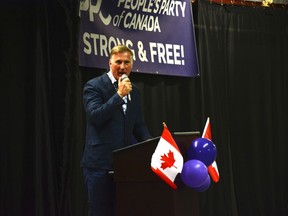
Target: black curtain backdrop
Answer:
pixel 243 58
pixel 243 54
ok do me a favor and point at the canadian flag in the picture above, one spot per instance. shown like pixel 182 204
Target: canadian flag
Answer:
pixel 212 169
pixel 167 160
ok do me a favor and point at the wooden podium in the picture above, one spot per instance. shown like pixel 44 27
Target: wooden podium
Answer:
pixel 140 192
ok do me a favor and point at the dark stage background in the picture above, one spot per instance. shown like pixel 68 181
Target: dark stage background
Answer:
pixel 243 54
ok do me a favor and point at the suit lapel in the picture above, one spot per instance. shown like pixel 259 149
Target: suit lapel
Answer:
pixel 108 86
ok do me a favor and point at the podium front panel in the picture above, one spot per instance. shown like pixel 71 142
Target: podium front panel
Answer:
pixel 140 192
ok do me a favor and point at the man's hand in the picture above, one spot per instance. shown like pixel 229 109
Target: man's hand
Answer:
pixel 124 86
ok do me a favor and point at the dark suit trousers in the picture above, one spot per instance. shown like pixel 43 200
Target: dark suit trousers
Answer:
pixel 101 192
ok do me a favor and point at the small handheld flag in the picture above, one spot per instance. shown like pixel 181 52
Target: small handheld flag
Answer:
pixel 212 169
pixel 167 160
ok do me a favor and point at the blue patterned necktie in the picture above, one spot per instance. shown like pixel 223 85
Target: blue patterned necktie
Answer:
pixel 116 85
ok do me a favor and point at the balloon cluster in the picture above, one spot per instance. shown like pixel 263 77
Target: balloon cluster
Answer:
pixel 201 154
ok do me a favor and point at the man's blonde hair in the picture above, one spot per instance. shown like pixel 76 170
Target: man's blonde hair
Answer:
pixel 121 49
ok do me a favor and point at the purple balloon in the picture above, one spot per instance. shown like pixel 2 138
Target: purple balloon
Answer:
pixel 202 149
pixel 194 173
pixel 203 187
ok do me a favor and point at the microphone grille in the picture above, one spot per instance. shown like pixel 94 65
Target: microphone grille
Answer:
pixel 124 76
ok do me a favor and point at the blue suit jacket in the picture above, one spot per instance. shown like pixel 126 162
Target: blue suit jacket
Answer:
pixel 108 128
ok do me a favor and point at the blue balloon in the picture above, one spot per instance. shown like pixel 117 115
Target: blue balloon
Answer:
pixel 203 187
pixel 194 173
pixel 202 149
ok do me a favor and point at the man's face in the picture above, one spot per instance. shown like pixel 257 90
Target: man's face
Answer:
pixel 120 64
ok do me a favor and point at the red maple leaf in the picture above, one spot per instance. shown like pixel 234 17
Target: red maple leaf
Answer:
pixel 168 160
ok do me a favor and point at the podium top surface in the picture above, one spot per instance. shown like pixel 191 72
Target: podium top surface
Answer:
pixel 186 136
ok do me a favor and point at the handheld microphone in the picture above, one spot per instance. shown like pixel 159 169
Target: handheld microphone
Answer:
pixel 124 76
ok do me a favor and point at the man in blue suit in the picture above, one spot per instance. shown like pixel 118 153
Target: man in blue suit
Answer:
pixel 113 116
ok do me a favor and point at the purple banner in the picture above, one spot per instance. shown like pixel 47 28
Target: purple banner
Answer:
pixel 159 32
